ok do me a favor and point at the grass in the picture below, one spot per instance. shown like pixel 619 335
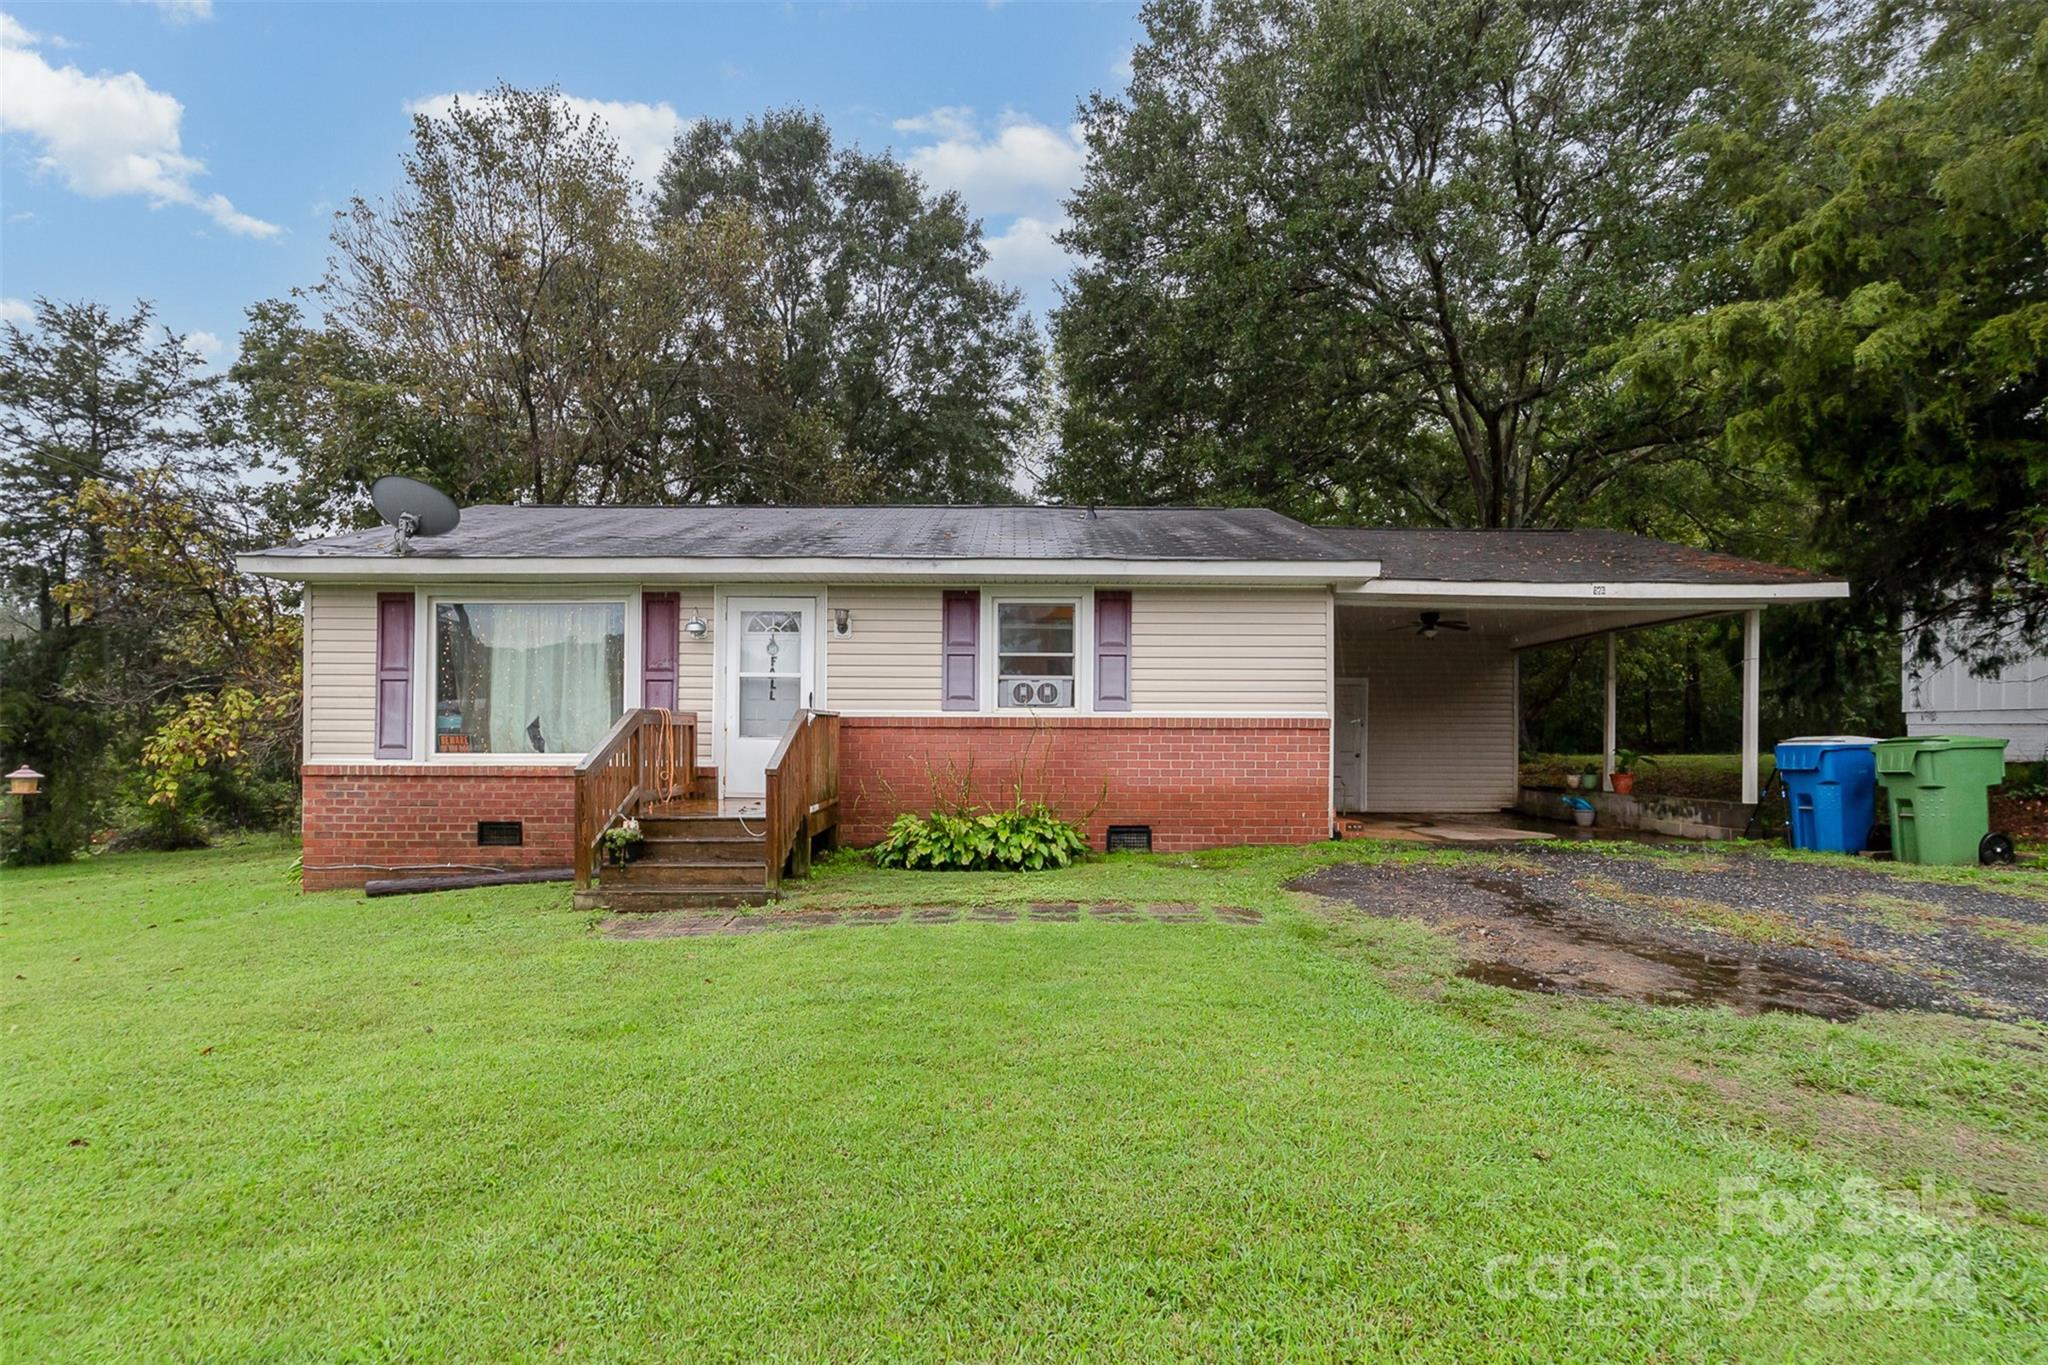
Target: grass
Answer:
pixel 243 1122
pixel 1716 777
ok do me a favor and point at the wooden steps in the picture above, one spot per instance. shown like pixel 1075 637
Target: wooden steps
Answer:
pixel 688 861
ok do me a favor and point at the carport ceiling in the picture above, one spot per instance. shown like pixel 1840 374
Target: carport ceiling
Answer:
pixel 1521 627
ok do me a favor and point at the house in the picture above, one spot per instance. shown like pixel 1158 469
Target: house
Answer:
pixel 1945 696
pixel 1176 678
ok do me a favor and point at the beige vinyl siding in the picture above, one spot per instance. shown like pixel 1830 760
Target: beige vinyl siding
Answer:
pixel 341 674
pixel 1245 651
pixel 890 661
pixel 1440 718
pixel 696 665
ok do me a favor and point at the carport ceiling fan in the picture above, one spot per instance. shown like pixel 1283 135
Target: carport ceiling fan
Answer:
pixel 1428 623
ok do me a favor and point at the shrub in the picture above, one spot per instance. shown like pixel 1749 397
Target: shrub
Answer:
pixel 1025 839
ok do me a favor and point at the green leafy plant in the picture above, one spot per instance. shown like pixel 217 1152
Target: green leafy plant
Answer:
pixel 622 840
pixel 1022 839
pixel 1628 761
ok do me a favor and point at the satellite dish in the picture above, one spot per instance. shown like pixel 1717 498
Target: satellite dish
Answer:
pixel 415 508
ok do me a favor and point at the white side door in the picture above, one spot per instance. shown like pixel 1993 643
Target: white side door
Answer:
pixel 769 665
pixel 1348 763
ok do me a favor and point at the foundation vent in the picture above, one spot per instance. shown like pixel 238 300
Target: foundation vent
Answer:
pixel 1130 839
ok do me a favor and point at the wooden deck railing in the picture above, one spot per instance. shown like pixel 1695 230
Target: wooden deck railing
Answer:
pixel 648 756
pixel 803 792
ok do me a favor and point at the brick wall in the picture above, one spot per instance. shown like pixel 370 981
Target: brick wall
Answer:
pixel 406 818
pixel 1199 782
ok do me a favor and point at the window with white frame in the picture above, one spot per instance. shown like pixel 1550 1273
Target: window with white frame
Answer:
pixel 527 677
pixel 1037 643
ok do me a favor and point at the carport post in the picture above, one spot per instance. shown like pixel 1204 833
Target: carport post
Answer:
pixel 1752 698
pixel 1607 725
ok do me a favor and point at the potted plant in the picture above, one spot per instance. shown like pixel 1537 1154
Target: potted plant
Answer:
pixel 1591 779
pixel 1572 780
pixel 1626 761
pixel 622 842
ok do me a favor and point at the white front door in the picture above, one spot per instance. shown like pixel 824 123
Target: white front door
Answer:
pixel 1348 763
pixel 769 658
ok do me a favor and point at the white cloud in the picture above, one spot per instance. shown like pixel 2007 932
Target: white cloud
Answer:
pixel 1015 174
pixel 1025 254
pixel 183 11
pixel 20 312
pixel 1022 167
pixel 105 134
pixel 207 344
pixel 644 132
pixel 947 121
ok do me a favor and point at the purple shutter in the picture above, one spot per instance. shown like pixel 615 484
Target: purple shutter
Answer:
pixel 394 675
pixel 661 618
pixel 1112 651
pixel 959 641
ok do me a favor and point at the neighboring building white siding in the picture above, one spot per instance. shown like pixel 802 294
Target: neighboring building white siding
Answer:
pixel 890 661
pixel 341 674
pixel 1440 717
pixel 1230 651
pixel 1946 698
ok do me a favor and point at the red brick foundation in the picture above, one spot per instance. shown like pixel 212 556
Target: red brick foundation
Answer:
pixel 1199 782
pixel 369 820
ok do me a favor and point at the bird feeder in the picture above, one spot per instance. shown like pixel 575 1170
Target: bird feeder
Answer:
pixel 24 781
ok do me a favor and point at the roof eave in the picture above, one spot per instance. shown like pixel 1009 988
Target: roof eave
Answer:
pixel 1608 594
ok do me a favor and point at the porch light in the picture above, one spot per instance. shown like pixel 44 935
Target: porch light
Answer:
pixel 695 627
pixel 24 781
pixel 842 621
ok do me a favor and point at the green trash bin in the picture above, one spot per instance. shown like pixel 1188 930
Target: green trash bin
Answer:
pixel 1937 789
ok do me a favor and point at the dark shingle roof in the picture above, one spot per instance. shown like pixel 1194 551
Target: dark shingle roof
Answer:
pixel 1185 534
pixel 1551 557
pixel 1150 533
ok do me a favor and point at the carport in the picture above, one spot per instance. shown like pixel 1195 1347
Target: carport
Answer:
pixel 1425 688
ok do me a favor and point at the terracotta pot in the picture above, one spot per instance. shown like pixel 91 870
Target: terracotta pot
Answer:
pixel 1624 783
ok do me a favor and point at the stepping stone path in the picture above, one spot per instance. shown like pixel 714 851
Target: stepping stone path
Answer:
pixel 697 924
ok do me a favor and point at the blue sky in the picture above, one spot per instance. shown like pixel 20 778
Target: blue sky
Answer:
pixel 191 153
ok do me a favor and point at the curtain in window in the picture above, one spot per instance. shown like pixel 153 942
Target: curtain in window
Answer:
pixel 546 677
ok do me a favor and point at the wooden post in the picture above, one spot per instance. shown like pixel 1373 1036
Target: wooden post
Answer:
pixel 1607 726
pixel 1752 700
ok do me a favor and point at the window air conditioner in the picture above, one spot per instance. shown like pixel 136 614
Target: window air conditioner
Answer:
pixel 1036 691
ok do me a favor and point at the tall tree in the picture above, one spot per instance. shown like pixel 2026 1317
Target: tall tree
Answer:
pixel 900 368
pixel 1360 258
pixel 87 396
pixel 515 326
pixel 1893 344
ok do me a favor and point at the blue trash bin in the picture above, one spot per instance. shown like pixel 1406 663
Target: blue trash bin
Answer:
pixel 1830 791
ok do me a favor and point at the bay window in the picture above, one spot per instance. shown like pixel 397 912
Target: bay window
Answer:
pixel 525 678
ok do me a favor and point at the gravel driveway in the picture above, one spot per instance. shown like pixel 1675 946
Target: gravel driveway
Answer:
pixel 1746 930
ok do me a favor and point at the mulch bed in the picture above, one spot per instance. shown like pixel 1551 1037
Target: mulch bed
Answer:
pixel 2023 817
pixel 698 923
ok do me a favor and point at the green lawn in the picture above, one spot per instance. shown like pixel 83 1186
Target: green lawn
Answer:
pixel 244 1122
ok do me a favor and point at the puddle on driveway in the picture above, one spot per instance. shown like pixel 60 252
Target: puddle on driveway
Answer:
pixel 1516 939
